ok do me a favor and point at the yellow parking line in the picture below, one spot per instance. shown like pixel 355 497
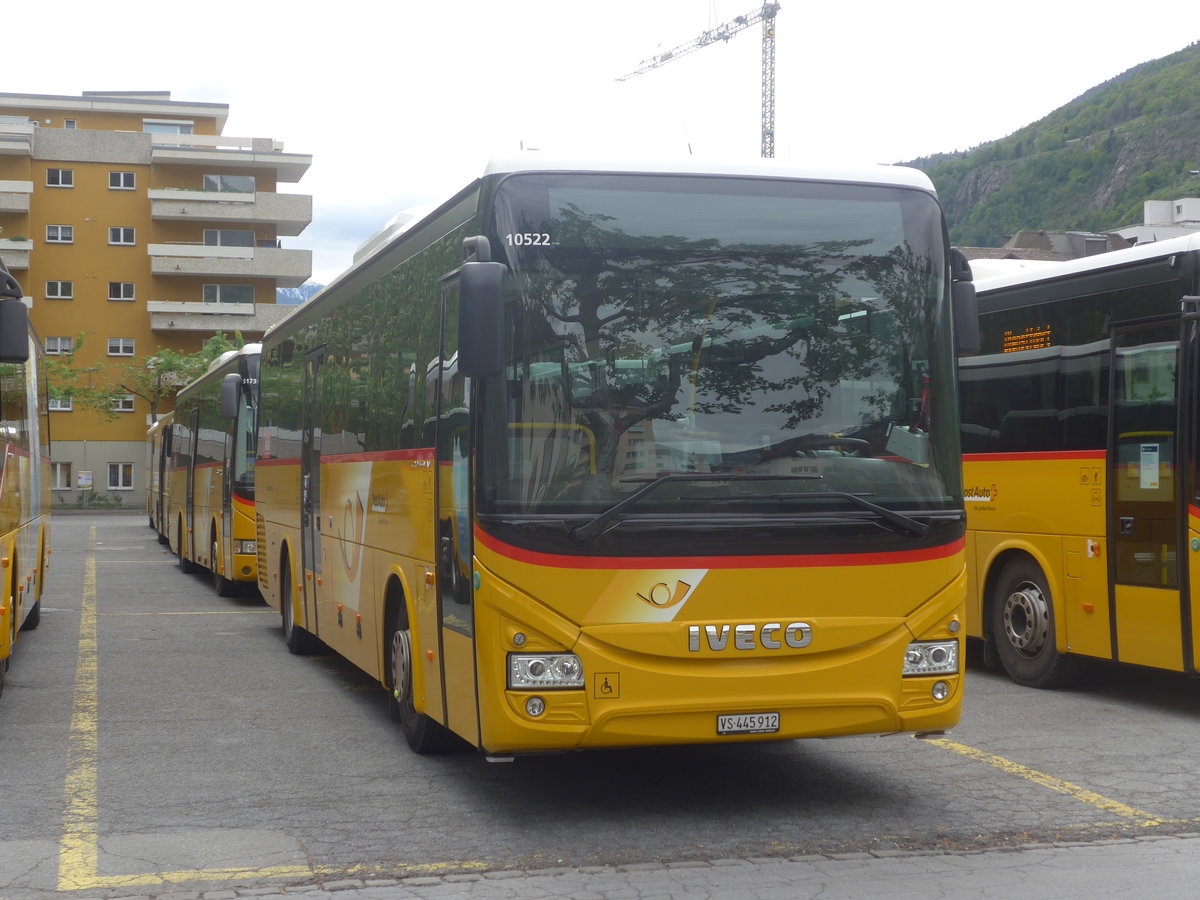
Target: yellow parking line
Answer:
pixel 1083 795
pixel 78 848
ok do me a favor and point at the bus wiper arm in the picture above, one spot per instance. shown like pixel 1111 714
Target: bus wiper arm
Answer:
pixel 905 523
pixel 600 523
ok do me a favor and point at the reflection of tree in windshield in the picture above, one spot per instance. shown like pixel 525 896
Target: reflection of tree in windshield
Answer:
pixel 653 335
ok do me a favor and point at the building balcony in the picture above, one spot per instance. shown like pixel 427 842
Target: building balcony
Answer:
pixel 290 214
pixel 219 150
pixel 171 315
pixel 14 196
pixel 16 136
pixel 16 253
pixel 289 268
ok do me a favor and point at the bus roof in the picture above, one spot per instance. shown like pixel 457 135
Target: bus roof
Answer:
pixel 899 176
pixel 1111 260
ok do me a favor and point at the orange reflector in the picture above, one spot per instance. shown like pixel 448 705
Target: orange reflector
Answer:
pixel 1089 607
pixel 429 655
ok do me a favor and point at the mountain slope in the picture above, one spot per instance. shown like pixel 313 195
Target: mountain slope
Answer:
pixel 1088 166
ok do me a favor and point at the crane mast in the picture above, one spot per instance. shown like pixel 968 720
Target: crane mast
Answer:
pixel 724 32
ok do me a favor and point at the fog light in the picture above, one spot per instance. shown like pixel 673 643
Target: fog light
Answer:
pixel 940 691
pixel 535 706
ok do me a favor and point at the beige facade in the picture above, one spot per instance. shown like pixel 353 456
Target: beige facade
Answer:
pixel 131 219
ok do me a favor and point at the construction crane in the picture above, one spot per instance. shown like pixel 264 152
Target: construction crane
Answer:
pixel 766 15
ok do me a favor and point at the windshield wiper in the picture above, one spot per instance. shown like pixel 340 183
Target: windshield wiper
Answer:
pixel 600 523
pixel 906 523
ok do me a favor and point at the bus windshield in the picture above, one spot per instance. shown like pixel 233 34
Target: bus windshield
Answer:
pixel 776 342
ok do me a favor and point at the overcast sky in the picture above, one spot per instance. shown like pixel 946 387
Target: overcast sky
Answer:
pixel 400 103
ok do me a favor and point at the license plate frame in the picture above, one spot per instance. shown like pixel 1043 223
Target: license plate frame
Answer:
pixel 748 723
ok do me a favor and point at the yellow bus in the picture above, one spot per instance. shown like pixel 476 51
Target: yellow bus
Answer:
pixel 24 471
pixel 598 456
pixel 210 473
pixel 158 455
pixel 1081 434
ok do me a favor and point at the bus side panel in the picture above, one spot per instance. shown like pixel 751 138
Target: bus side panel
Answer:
pixel 1148 627
pixel 1052 507
pixel 1193 570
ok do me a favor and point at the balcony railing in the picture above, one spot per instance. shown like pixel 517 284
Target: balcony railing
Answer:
pixel 289 268
pixel 289 213
pixel 14 196
pixel 260 153
pixel 16 253
pixel 174 315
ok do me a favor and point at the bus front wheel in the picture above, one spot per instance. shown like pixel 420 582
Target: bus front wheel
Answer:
pixel 423 734
pixel 1024 628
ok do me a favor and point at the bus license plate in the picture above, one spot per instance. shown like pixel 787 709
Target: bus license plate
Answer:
pixel 748 723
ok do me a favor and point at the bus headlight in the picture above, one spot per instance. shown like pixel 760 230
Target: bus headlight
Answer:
pixel 931 658
pixel 528 671
pixel 247 547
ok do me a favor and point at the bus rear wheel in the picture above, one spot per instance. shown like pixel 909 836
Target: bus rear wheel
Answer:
pixel 423 734
pixel 1024 629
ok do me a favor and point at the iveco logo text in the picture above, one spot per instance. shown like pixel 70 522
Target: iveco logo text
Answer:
pixel 772 636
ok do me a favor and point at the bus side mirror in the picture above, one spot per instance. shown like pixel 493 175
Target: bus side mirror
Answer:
pixel 231 389
pixel 481 319
pixel 14 331
pixel 964 304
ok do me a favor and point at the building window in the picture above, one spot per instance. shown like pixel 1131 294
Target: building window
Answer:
pixel 120 290
pixel 60 476
pixel 124 237
pixel 60 290
pixel 122 403
pixel 122 181
pixel 120 346
pixel 228 293
pixel 68 123
pixel 60 234
pixel 232 184
pixel 59 404
pixel 59 345
pixel 60 178
pixel 228 237
pixel 167 126
pixel 120 476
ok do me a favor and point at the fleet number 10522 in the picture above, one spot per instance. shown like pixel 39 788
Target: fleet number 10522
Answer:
pixel 527 239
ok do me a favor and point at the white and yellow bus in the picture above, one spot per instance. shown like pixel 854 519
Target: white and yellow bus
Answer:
pixel 24 471
pixel 595 456
pixel 208 472
pixel 1081 436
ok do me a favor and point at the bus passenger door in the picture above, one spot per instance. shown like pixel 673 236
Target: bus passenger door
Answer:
pixel 187 547
pixel 1145 492
pixel 454 546
pixel 310 488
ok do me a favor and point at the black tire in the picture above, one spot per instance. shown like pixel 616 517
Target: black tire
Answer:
pixel 222 585
pixel 186 566
pixel 1024 631
pixel 298 641
pixel 33 618
pixel 424 735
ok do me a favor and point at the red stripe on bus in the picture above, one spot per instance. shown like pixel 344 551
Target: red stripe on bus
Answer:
pixel 561 561
pixel 1030 455
pixel 421 453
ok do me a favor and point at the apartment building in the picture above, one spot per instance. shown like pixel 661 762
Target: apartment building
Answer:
pixel 131 218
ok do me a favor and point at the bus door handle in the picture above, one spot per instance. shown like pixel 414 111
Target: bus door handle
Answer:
pixel 1126 525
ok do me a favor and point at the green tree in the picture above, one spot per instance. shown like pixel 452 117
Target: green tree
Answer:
pixel 156 377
